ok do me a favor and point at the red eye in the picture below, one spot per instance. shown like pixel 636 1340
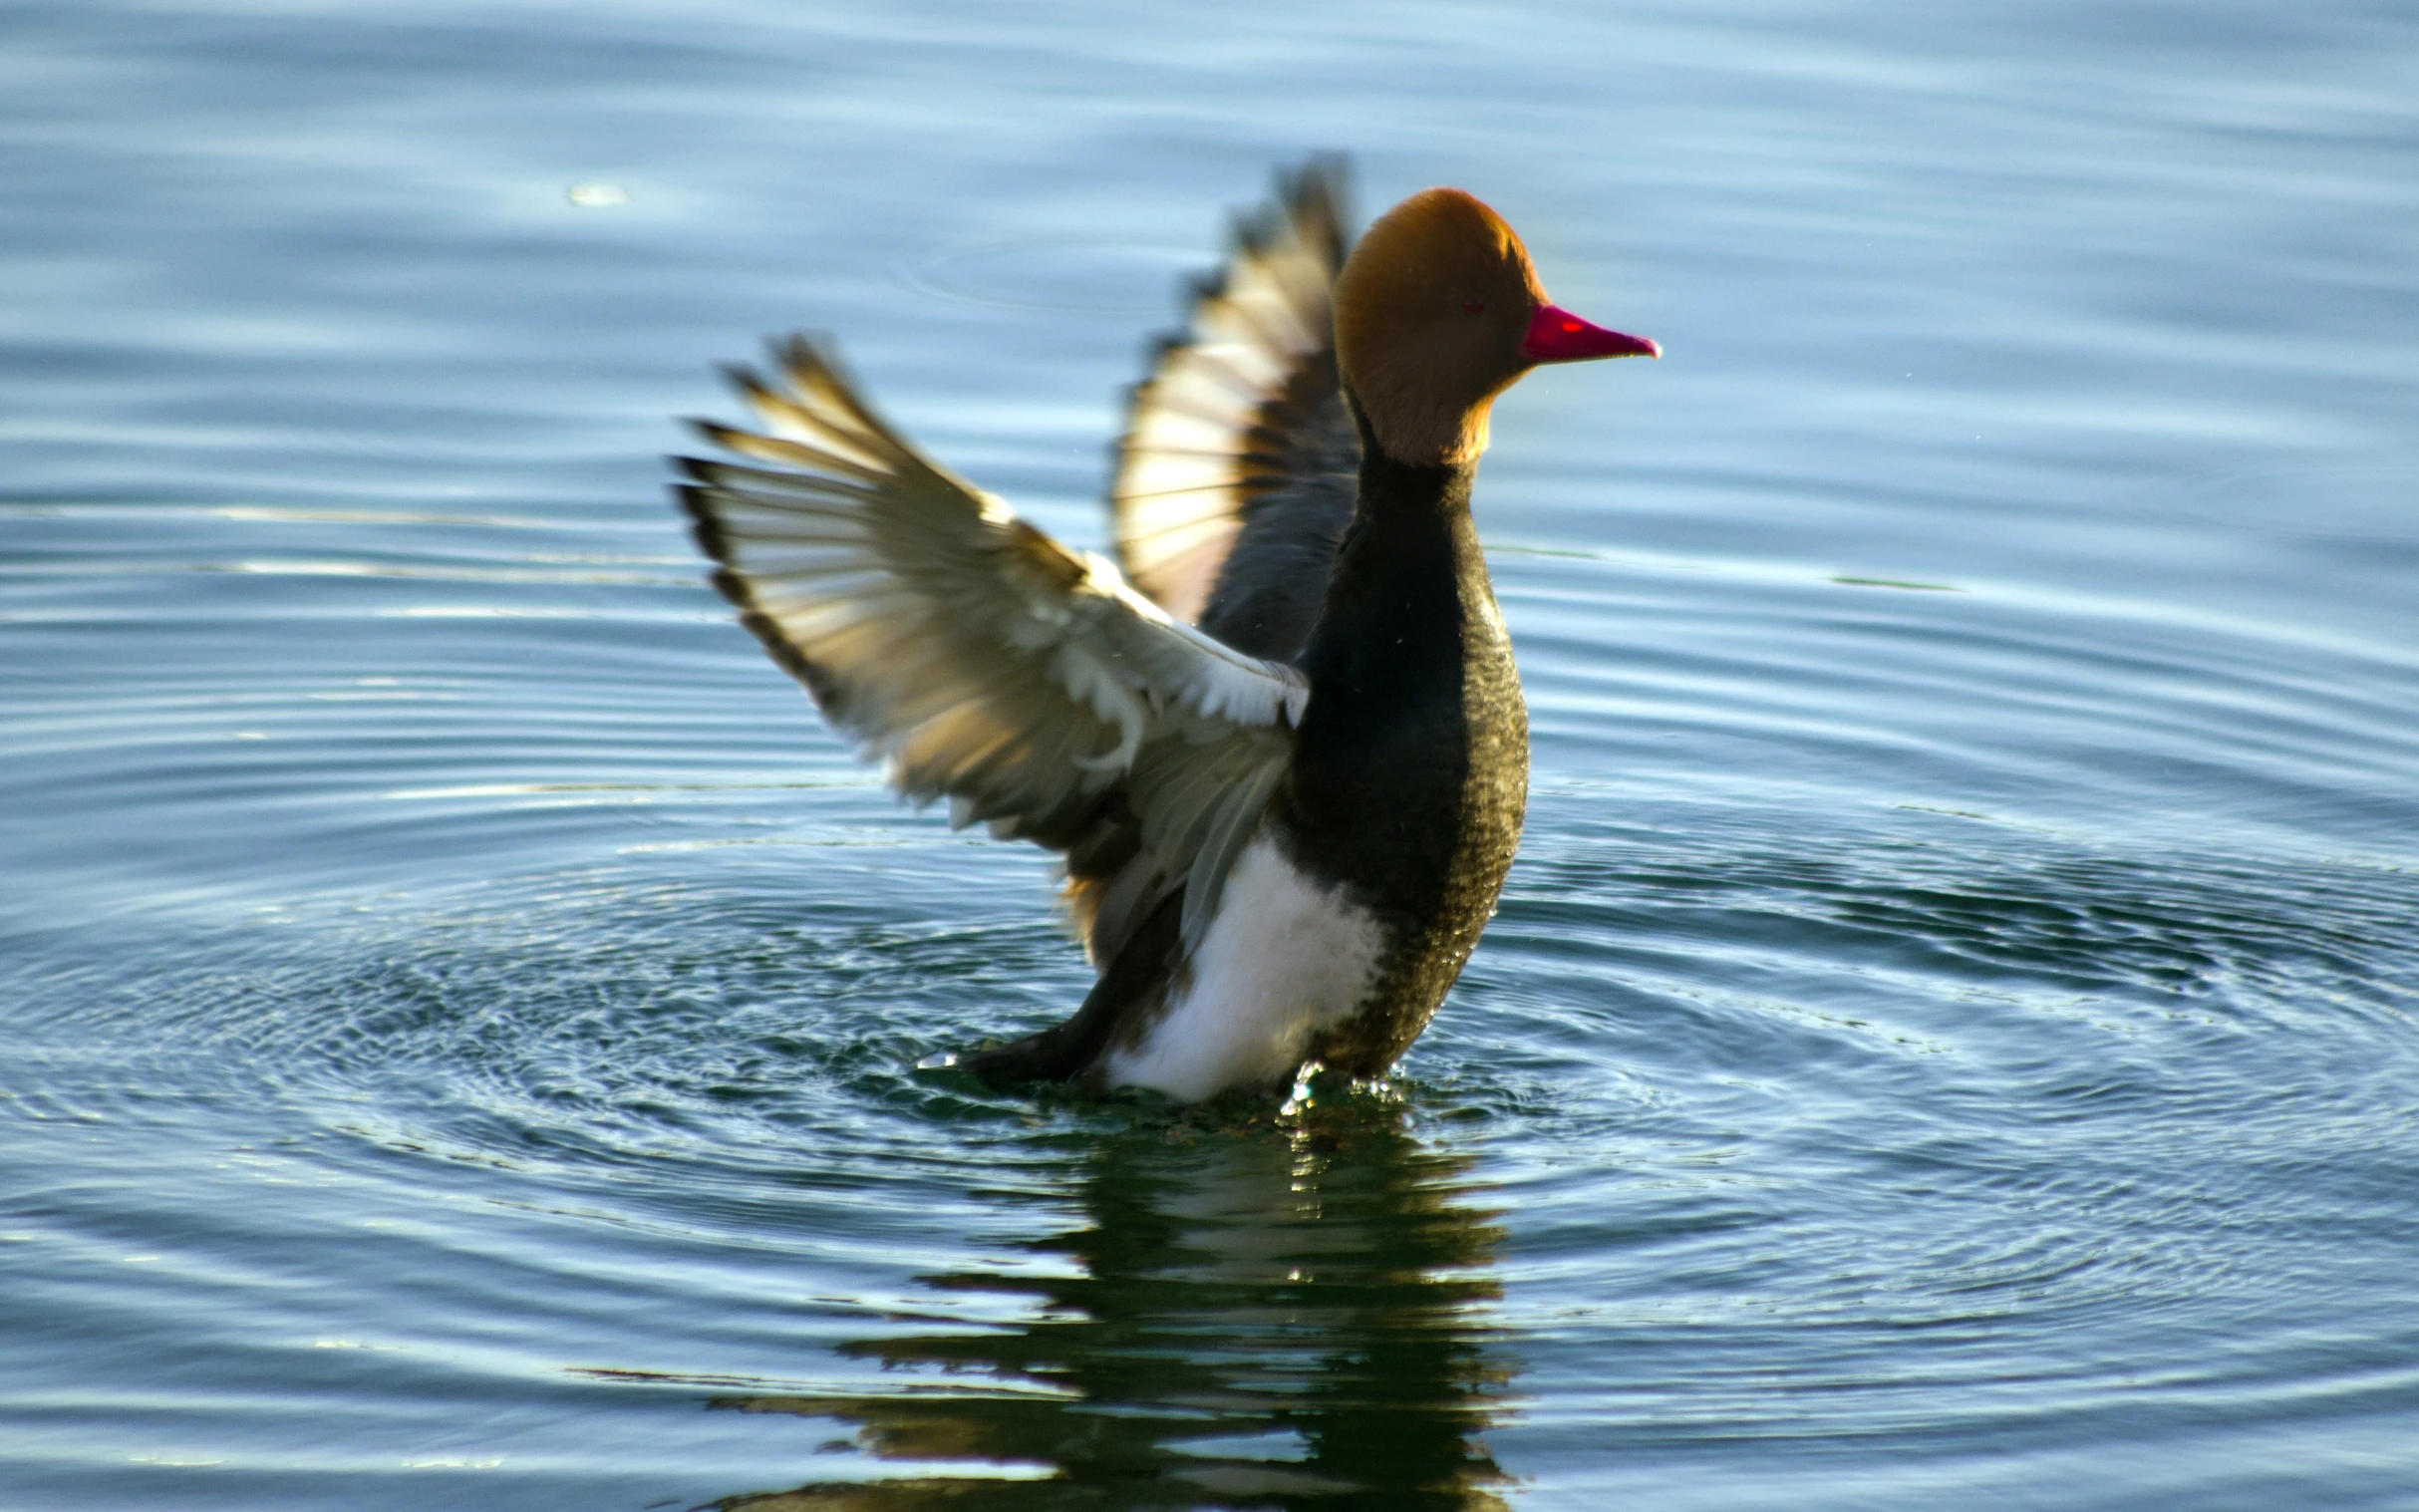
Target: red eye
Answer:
pixel 1471 304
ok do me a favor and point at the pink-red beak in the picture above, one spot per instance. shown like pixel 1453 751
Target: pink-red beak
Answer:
pixel 1557 335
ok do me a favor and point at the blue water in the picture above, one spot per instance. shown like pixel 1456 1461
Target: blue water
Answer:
pixel 1949 1038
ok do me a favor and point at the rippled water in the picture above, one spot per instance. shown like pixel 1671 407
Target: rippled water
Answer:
pixel 1950 1033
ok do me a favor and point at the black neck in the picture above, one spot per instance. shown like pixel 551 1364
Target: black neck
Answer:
pixel 1390 630
pixel 1387 661
pixel 1406 666
pixel 1410 768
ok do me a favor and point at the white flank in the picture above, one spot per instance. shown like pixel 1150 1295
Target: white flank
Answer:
pixel 1281 959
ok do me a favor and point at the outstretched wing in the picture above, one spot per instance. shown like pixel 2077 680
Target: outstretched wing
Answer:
pixel 1239 467
pixel 984 662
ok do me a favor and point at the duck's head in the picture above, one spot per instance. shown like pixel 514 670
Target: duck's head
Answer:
pixel 1437 311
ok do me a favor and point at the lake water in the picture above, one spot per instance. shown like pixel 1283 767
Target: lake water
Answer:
pixel 1950 1037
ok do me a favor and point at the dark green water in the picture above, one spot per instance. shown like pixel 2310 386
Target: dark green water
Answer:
pixel 1949 1038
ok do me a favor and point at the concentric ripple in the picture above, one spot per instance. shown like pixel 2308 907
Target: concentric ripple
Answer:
pixel 1949 1040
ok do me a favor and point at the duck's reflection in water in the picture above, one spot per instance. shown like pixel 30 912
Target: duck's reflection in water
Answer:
pixel 1289 1313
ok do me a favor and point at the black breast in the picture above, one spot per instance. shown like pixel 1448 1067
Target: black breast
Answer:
pixel 1412 769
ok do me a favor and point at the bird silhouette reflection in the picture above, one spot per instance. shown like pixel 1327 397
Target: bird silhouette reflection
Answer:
pixel 1290 1312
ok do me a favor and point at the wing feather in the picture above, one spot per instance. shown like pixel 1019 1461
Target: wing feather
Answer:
pixel 1238 470
pixel 983 662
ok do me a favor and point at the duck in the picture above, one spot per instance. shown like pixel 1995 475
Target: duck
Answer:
pixel 1277 742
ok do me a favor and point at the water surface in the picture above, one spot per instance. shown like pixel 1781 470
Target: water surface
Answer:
pixel 1948 1034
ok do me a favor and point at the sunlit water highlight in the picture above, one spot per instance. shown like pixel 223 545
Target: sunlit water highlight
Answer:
pixel 1949 1037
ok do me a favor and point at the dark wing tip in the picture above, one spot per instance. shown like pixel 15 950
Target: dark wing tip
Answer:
pixel 1314 199
pixel 801 356
pixel 699 502
pixel 825 690
pixel 742 378
pixel 807 355
pixel 705 525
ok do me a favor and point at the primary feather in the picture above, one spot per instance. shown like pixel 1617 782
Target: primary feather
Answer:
pixel 1238 470
pixel 983 662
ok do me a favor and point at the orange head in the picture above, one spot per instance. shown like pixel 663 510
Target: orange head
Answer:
pixel 1437 311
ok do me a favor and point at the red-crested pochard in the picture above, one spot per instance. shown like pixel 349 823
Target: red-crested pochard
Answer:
pixel 1280 742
